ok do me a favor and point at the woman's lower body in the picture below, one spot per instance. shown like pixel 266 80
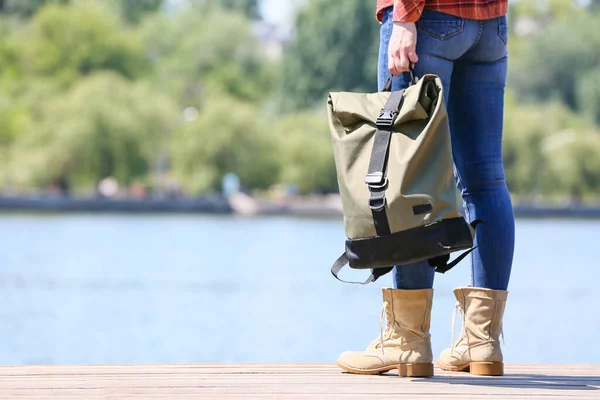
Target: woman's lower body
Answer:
pixel 471 59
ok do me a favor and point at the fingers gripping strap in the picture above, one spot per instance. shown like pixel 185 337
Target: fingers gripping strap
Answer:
pixel 413 79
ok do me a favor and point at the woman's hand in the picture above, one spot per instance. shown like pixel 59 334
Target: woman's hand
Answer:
pixel 403 44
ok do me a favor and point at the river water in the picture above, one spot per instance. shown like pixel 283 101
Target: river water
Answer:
pixel 198 289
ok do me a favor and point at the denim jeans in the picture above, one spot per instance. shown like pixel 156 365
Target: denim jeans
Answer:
pixel 470 57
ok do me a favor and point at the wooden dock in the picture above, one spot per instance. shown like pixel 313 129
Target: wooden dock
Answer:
pixel 290 382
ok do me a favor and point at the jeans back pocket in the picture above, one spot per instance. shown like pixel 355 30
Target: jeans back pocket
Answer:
pixel 503 29
pixel 440 29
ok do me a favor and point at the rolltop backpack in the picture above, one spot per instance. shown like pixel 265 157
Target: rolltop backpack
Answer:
pixel 393 158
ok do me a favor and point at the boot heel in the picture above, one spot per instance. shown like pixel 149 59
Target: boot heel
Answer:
pixel 416 370
pixel 487 368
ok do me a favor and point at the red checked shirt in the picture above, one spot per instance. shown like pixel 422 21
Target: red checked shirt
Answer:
pixel 410 10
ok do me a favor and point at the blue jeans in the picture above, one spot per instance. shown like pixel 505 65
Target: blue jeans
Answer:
pixel 470 57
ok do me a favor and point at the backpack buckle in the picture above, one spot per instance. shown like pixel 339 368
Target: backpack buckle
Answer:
pixel 377 203
pixel 386 118
pixel 379 185
pixel 374 178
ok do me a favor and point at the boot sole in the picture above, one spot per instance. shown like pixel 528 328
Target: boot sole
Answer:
pixel 416 370
pixel 404 370
pixel 476 368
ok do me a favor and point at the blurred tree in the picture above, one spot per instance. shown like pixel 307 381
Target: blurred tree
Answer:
pixel 227 137
pixel 25 7
pixel 135 10
pixel 544 153
pixel 193 53
pixel 10 68
pixel 306 153
pixel 588 91
pixel 15 118
pixel 334 48
pixel 560 54
pixel 104 126
pixel 64 42
pixel 249 7
pixel 594 5
pixel 545 12
pixel 132 10
pixel 574 168
pixel 84 94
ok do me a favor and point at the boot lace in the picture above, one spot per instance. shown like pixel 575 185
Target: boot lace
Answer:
pixel 456 308
pixel 385 321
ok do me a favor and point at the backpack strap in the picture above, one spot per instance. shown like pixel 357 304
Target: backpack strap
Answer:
pixel 441 263
pixel 343 261
pixel 377 174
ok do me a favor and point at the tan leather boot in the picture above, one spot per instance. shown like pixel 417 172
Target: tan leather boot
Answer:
pixel 404 343
pixel 478 348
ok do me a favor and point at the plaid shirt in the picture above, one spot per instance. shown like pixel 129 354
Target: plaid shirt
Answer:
pixel 410 10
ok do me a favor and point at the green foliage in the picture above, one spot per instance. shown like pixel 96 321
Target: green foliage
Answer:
pixel 249 8
pixel 574 168
pixel 555 58
pixel 25 7
pixel 14 119
pixel 135 10
pixel 132 10
pixel 228 136
pixel 67 42
pixel 104 126
pixel 194 53
pixel 546 12
pixel 306 153
pixel 588 91
pixel 546 151
pixel 334 48
pixel 92 88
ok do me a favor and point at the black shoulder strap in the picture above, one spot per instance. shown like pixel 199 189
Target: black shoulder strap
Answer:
pixel 377 174
pixel 381 145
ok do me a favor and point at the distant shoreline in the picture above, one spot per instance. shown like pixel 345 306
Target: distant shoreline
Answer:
pixel 60 204
pixel 220 205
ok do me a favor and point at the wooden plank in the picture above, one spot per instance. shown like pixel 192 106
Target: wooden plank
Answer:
pixel 550 369
pixel 200 380
pixel 293 397
pixel 289 382
pixel 267 388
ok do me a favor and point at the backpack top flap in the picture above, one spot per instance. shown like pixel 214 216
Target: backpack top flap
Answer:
pixel 353 109
pixel 421 187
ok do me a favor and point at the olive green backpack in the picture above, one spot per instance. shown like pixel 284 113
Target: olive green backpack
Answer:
pixel 394 165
